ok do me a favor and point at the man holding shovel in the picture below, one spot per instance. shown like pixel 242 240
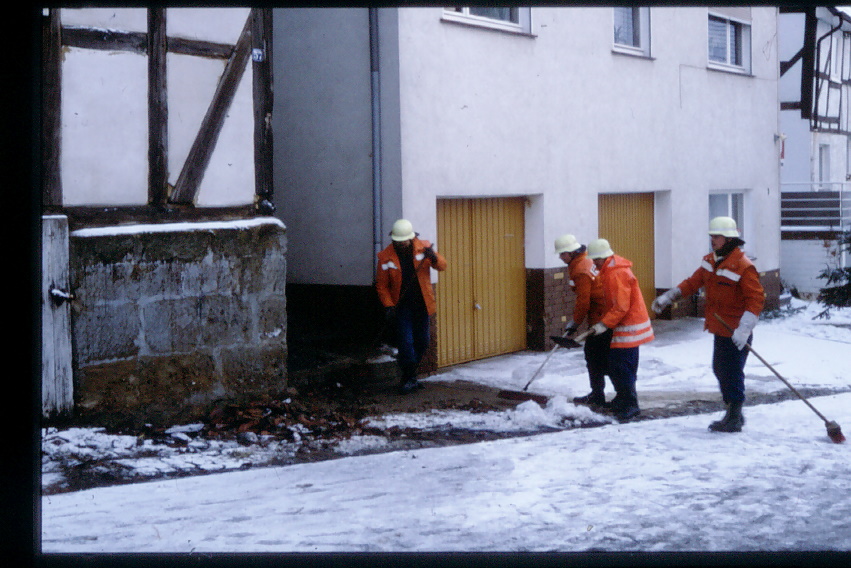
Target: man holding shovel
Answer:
pixel 403 283
pixel 626 317
pixel 589 305
pixel 733 291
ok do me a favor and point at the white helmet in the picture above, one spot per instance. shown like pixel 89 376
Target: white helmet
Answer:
pixel 599 248
pixel 566 243
pixel 402 231
pixel 725 226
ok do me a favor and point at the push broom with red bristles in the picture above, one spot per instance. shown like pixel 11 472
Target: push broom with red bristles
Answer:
pixel 834 432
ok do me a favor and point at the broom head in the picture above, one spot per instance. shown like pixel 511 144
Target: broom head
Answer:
pixel 835 432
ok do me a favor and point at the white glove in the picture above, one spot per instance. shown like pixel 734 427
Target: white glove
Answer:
pixel 746 325
pixel 666 299
pixel 599 328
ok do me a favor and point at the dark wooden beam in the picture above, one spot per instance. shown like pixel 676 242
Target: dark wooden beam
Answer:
pixel 157 108
pixel 189 180
pixel 199 48
pixel 262 88
pixel 785 65
pixel 137 42
pixel 51 123
pixel 111 40
pixel 808 62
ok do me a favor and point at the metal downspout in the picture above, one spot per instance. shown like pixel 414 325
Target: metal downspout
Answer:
pixel 376 131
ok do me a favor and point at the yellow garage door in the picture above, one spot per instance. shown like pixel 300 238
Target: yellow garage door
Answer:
pixel 626 221
pixel 481 298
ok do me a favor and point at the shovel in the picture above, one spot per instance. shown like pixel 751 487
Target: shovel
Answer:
pixel 539 398
pixel 834 432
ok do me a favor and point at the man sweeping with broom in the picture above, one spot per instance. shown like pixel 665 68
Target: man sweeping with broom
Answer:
pixel 732 288
pixel 589 305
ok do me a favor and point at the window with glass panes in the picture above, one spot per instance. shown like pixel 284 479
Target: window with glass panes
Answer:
pixel 728 41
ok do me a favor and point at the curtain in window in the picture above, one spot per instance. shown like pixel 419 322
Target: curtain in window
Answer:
pixel 717 40
pixel 627 26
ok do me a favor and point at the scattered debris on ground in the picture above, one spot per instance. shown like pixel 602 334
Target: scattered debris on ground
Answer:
pixel 318 423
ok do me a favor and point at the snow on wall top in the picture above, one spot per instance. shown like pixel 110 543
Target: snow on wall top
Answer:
pixel 176 227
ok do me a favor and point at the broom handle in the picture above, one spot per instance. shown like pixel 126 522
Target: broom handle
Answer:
pixel 579 337
pixel 764 362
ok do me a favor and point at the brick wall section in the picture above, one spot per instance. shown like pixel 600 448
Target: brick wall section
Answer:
pixel 168 321
pixel 549 305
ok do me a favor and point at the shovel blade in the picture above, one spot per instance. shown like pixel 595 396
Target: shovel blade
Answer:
pixel 565 342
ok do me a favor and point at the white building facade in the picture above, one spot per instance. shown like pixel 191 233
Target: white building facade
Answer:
pixel 632 124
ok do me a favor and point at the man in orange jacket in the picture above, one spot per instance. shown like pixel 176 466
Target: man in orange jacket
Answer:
pixel 403 283
pixel 626 316
pixel 589 305
pixel 733 291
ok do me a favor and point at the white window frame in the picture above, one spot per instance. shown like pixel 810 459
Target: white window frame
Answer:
pixel 462 15
pixel 744 41
pixel 734 200
pixel 643 47
pixel 824 167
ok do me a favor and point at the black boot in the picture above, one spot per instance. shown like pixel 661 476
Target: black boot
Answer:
pixel 732 421
pixel 627 412
pixel 591 399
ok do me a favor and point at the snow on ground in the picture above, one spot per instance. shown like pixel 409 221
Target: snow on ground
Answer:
pixel 656 485
pixel 660 485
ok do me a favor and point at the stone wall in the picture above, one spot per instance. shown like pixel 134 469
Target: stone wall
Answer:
pixel 170 318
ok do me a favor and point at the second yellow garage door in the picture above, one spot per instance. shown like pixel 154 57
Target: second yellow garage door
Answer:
pixel 627 221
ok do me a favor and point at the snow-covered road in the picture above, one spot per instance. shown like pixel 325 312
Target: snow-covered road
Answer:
pixel 662 485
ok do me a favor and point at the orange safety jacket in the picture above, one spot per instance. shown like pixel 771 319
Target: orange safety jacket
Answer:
pixel 732 287
pixel 588 287
pixel 625 309
pixel 388 275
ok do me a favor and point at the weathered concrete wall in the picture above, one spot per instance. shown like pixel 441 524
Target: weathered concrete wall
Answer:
pixel 170 318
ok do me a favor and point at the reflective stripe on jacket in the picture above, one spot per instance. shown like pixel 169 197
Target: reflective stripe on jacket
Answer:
pixel 625 312
pixel 388 275
pixel 588 287
pixel 732 287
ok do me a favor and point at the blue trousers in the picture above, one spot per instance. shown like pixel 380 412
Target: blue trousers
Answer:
pixel 596 360
pixel 728 364
pixel 412 336
pixel 623 371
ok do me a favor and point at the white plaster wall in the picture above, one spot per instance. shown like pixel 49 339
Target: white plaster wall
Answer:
pixel 126 19
pixel 220 25
pixel 104 114
pixel 229 178
pixel 804 260
pixel 323 142
pixel 560 116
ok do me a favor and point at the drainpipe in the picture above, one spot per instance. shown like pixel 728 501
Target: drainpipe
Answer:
pixel 376 132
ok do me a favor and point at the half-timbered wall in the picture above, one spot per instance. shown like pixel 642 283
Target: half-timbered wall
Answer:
pixel 815 99
pixel 157 150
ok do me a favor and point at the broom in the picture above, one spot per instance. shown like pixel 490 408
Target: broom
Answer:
pixel 539 398
pixel 834 432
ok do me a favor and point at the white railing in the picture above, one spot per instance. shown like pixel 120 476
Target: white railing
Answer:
pixel 815 207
